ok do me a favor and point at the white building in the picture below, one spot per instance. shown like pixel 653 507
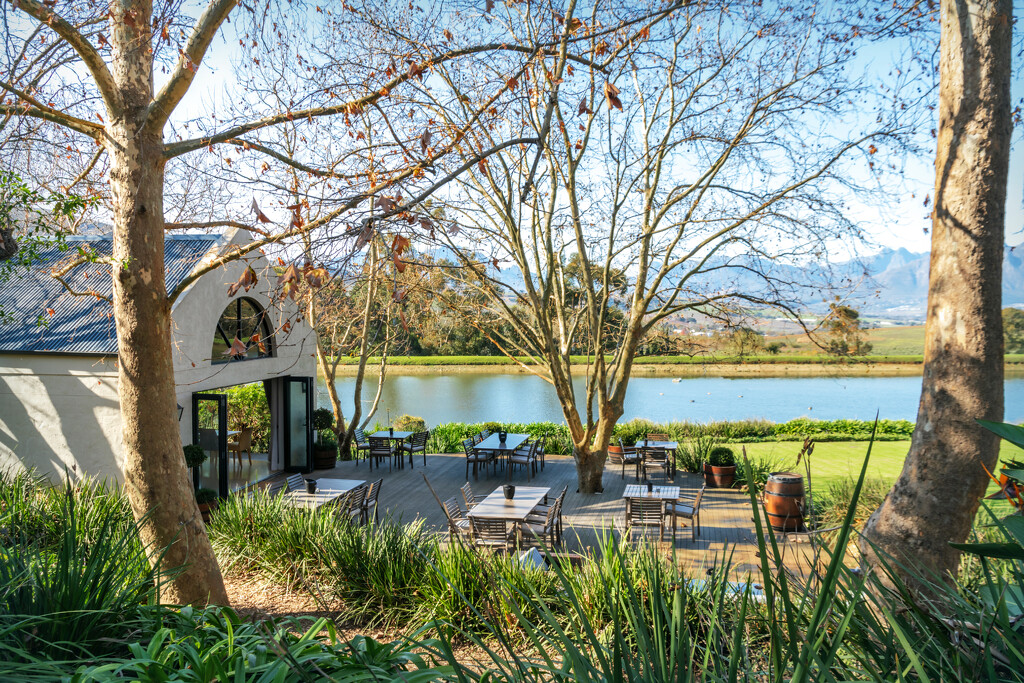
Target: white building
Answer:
pixel 58 379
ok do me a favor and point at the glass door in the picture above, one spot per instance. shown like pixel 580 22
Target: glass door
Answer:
pixel 210 431
pixel 298 436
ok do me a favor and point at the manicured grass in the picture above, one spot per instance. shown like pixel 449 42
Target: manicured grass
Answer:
pixel 836 460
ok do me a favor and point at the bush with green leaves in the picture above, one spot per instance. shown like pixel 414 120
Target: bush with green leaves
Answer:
pixel 248 409
pixel 722 456
pixel 195 456
pixel 410 423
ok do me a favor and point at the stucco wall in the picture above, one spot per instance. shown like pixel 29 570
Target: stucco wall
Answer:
pixel 58 410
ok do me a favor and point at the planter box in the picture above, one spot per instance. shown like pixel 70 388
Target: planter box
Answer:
pixel 325 458
pixel 719 477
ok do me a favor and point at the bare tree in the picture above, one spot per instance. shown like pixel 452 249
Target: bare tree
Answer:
pixel 689 156
pixel 935 499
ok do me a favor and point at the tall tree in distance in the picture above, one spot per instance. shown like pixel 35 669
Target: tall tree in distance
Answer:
pixel 935 499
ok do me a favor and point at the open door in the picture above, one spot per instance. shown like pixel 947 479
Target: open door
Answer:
pixel 210 431
pixel 298 433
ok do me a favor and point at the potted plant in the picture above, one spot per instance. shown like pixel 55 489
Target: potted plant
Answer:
pixel 207 499
pixel 325 451
pixel 720 468
pixel 195 456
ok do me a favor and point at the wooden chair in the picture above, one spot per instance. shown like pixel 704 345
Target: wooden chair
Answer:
pixel 687 509
pixel 625 455
pixel 352 505
pixel 547 531
pixel 645 512
pixel 541 511
pixel 361 444
pixel 656 459
pixel 491 533
pixel 474 457
pixel 524 459
pixel 417 444
pixel 372 494
pixel 295 482
pixel 241 442
pixel 471 498
pixel 658 437
pixel 380 449
pixel 458 523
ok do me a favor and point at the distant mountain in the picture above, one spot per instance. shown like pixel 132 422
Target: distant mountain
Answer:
pixel 900 278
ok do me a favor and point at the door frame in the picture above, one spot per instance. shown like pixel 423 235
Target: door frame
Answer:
pixel 308 387
pixel 222 436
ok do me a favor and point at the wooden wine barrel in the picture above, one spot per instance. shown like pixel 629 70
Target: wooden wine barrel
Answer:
pixel 784 501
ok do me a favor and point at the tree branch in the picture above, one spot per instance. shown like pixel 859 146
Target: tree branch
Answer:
pixel 93 130
pixel 90 57
pixel 188 63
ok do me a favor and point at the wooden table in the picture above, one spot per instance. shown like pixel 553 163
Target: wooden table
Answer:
pixel 328 491
pixel 502 448
pixel 496 506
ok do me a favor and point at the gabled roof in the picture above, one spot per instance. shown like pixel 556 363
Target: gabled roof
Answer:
pixel 79 324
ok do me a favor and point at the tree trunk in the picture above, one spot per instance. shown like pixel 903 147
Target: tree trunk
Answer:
pixel 590 469
pixel 156 477
pixel 937 495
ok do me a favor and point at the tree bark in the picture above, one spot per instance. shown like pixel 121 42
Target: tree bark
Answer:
pixel 156 477
pixel 935 499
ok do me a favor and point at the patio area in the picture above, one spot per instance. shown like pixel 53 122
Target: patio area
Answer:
pixel 726 519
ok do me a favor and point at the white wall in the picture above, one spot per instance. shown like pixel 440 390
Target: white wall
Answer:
pixel 199 308
pixel 60 411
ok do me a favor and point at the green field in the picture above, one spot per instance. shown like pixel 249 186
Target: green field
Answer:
pixel 836 460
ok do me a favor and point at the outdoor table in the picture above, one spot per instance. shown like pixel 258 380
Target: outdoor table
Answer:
pixel 666 493
pixel 670 447
pixel 496 506
pixel 396 436
pixel 505 448
pixel 328 491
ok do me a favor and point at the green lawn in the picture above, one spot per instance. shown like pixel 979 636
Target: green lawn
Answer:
pixel 837 459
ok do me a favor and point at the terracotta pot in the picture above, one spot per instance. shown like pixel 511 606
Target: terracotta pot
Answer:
pixel 784 501
pixel 206 509
pixel 719 476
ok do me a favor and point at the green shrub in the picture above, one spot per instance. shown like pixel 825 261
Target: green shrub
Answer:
pixel 195 456
pixel 694 452
pixel 721 456
pixel 410 423
pixel 247 408
pixel 323 419
pixel 206 496
pixel 761 467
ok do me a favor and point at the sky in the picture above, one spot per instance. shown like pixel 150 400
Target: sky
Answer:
pixel 905 223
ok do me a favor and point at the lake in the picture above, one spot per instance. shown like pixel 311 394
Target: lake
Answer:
pixel 480 397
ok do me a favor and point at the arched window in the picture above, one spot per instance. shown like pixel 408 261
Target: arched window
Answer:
pixel 243 333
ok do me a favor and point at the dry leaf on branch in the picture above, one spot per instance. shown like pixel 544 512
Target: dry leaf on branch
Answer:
pixel 425 140
pixel 399 263
pixel 260 216
pixel 399 244
pixel 237 348
pixel 612 93
pixel 245 281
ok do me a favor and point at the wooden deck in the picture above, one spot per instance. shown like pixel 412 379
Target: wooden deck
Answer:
pixel 727 529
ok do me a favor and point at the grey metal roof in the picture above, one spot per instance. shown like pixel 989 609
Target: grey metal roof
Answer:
pixel 78 324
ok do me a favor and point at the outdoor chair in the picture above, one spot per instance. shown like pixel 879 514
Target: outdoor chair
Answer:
pixel 656 459
pixel 380 449
pixel 372 493
pixel 624 455
pixel 474 457
pixel 361 444
pixel 541 511
pixel 296 482
pixel 687 509
pixel 209 442
pixel 471 498
pixel 523 459
pixel 417 444
pixel 645 512
pixel 242 442
pixel 491 533
pixel 351 506
pixel 547 531
pixel 458 524
pixel 658 437
pixel 540 451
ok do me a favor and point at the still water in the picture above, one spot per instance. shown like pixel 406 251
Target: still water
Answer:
pixel 479 397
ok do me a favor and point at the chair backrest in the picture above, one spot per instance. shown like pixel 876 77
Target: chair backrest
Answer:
pixel 208 440
pixel 360 436
pixel 372 492
pixel 245 439
pixel 356 497
pixel 468 495
pixel 380 445
pixel 647 511
pixel 489 531
pixel 561 496
pixel 484 434
pixel 420 439
pixel 658 437
pixel 452 510
pixel 627 451
pixel 656 454
pixel 696 501
pixel 467 445
pixel 296 483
